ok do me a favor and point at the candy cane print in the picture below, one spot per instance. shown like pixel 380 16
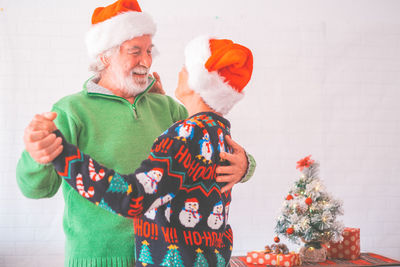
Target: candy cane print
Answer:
pixel 92 172
pixel 81 188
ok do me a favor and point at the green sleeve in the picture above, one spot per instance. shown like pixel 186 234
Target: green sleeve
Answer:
pixel 36 180
pixel 179 112
pixel 250 169
pixel 41 181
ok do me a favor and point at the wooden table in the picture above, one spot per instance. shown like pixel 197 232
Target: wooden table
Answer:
pixel 366 259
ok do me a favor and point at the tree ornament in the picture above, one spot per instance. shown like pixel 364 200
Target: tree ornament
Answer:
pixel 276 239
pixel 289 197
pixel 304 163
pixel 308 201
pixel 290 230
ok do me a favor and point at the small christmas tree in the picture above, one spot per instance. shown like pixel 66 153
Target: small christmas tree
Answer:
pixel 220 259
pixel 200 261
pixel 173 257
pixel 105 206
pixel 118 184
pixel 309 212
pixel 145 255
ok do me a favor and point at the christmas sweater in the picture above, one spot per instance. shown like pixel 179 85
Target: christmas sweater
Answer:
pixel 116 133
pixel 180 215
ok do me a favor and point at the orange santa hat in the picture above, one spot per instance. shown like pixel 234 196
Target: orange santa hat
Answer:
pixel 218 69
pixel 114 24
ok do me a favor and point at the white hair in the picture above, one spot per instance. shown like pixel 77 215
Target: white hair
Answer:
pixel 97 65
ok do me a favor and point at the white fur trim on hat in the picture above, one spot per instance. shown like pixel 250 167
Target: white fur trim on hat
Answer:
pixel 217 93
pixel 118 29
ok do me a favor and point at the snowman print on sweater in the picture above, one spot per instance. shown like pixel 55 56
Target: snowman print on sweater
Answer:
pixel 227 211
pixel 152 211
pixel 189 215
pixel 151 214
pixel 216 218
pixel 168 212
pixel 150 179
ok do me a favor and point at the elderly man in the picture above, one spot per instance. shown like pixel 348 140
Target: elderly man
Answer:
pixel 115 119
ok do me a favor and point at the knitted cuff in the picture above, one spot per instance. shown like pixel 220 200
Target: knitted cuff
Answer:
pixel 251 167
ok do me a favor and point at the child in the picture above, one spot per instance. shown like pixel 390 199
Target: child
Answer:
pixel 180 215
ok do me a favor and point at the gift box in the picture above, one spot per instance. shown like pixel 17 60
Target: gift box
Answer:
pixel 349 248
pixel 262 258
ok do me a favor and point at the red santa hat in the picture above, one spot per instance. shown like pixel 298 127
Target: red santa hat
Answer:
pixel 114 24
pixel 218 70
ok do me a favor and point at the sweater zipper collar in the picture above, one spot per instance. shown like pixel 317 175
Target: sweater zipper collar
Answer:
pixel 97 90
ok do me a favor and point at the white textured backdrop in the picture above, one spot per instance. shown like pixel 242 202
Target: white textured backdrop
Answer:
pixel 326 82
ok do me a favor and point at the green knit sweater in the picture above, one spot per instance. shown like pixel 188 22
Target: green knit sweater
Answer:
pixel 119 135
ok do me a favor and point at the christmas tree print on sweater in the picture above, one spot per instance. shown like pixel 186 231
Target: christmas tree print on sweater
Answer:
pixel 118 185
pixel 200 260
pixel 105 206
pixel 220 259
pixel 173 197
pixel 145 255
pixel 173 257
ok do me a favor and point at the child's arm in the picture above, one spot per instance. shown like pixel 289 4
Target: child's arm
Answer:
pixel 154 183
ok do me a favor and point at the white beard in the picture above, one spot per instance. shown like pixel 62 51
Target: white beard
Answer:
pixel 132 88
pixel 129 85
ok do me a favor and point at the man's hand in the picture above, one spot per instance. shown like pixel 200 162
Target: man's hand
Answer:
pixel 234 173
pixel 40 142
pixel 157 87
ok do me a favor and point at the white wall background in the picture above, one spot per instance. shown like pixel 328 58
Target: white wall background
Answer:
pixel 326 82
